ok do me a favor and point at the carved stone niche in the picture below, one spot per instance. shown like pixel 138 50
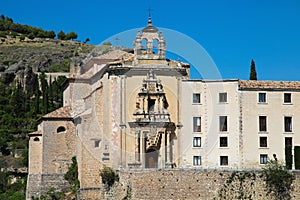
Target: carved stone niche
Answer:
pixel 151 103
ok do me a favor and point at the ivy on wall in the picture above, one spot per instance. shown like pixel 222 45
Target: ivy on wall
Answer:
pixel 239 185
pixel 297 157
pixel 278 180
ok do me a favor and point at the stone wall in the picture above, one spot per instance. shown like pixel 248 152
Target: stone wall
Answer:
pixel 40 184
pixel 58 147
pixel 189 184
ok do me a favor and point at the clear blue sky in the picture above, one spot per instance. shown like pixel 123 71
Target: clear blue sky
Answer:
pixel 232 32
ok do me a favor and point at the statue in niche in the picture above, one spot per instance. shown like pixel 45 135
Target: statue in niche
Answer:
pixel 165 105
pixel 138 108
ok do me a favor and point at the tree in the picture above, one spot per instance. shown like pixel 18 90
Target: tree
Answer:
pixel 71 36
pixel 72 175
pixel 22 37
pixel 278 180
pixel 45 95
pixel 108 176
pixel 86 40
pixel 2 17
pixel 253 75
pixel 61 35
pixel 50 34
pixel 107 43
pixel 31 36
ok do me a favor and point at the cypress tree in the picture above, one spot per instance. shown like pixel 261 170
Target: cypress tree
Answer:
pixel 253 75
pixel 37 100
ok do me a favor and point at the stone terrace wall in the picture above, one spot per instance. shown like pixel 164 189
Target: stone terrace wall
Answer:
pixel 40 184
pixel 186 184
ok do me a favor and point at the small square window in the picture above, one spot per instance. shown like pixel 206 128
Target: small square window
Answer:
pixel 97 143
pixel 223 97
pixel 262 97
pixel 223 142
pixel 263 159
pixel 197 142
pixel 197 124
pixel 223 160
pixel 197 160
pixel 262 123
pixel 223 123
pixel 263 142
pixel 287 97
pixel 288 124
pixel 196 98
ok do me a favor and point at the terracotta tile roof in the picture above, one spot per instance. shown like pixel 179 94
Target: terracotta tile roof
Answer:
pixel 63 112
pixel 274 85
pixel 35 133
pixel 113 57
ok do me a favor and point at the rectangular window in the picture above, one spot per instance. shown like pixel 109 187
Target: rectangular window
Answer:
pixel 288 124
pixel 196 98
pixel 223 160
pixel 223 123
pixel 197 124
pixel 97 143
pixel 263 159
pixel 262 123
pixel 263 142
pixel 287 97
pixel 197 160
pixel 197 142
pixel 223 142
pixel 223 97
pixel 288 141
pixel 262 97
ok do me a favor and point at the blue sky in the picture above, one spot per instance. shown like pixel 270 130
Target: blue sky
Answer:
pixel 232 32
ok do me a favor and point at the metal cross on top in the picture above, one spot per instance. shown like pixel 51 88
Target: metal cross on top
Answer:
pixel 149 11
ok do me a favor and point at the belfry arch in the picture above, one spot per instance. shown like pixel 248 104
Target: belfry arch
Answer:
pixel 155 47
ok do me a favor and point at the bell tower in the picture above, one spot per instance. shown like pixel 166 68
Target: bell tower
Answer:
pixel 149 44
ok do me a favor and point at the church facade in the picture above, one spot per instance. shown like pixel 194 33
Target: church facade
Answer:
pixel 141 110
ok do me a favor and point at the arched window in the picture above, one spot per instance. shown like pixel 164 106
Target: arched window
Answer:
pixel 155 46
pixel 61 129
pixel 144 44
pixel 36 139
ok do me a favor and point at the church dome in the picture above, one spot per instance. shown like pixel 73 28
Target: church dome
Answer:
pixel 150 28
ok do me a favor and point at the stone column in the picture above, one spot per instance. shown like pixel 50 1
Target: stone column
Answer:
pixel 168 147
pixel 159 105
pixel 123 122
pixel 179 125
pixel 145 106
pixel 169 150
pixel 156 106
pixel 163 150
pixel 142 104
pixel 149 47
pixel 137 150
pixel 142 149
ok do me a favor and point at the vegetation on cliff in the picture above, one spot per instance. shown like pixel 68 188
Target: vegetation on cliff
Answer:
pixel 26 93
pixel 9 28
pixel 20 110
